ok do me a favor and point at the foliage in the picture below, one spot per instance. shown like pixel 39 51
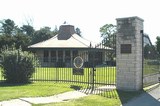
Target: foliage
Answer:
pixel 78 31
pixel 150 52
pixel 28 30
pixel 55 31
pixel 6 40
pixel 8 27
pixel 158 44
pixel 108 32
pixel 18 66
pixel 41 35
pixel 19 40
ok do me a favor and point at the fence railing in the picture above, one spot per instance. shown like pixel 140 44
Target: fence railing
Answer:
pixel 151 63
pixel 103 74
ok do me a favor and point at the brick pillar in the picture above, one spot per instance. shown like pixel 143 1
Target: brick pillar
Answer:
pixel 129 53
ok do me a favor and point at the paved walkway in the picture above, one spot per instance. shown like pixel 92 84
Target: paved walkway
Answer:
pixel 56 98
pixel 38 100
pixel 151 98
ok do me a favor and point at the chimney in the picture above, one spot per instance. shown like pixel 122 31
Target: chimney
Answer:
pixel 65 32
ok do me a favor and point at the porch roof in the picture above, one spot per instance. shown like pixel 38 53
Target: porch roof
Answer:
pixel 75 41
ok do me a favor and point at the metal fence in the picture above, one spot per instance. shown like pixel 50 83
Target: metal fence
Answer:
pixel 151 63
pixel 98 69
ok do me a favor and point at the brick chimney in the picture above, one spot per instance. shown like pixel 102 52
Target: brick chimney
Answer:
pixel 65 32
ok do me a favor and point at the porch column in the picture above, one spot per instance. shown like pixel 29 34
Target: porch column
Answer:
pixel 49 56
pixel 63 55
pixel 56 55
pixel 104 56
pixel 71 53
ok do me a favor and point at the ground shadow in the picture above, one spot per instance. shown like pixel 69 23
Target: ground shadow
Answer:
pixel 75 87
pixel 6 84
pixel 126 97
pixel 145 99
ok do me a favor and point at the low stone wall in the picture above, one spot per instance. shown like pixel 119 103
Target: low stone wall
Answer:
pixel 151 79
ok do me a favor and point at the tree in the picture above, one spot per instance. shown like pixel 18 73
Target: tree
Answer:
pixel 158 44
pixel 78 32
pixel 22 41
pixel 6 40
pixel 41 35
pixel 108 32
pixel 28 30
pixel 8 27
pixel 55 31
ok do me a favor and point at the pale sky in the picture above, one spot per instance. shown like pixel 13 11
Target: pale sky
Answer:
pixel 88 15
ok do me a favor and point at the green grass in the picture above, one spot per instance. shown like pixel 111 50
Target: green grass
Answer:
pixel 150 68
pixel 1 77
pixel 92 100
pixel 11 91
pixel 106 75
pixel 109 98
pixel 102 74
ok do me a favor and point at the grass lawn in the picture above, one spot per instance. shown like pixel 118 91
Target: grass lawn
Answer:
pixel 92 100
pixel 111 98
pixel 150 68
pixel 11 91
pixel 104 75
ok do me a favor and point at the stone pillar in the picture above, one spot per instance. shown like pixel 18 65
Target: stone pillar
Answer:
pixel 129 53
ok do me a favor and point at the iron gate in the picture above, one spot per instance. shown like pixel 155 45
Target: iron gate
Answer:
pixel 94 67
pixel 151 63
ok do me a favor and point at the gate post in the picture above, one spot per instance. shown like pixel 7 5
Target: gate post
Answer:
pixel 129 53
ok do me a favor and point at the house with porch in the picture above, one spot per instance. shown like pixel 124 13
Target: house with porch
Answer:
pixel 61 49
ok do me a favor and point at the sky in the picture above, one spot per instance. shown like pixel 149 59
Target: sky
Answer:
pixel 88 15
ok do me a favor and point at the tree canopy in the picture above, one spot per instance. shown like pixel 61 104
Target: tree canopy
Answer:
pixel 78 32
pixel 158 44
pixel 7 27
pixel 108 32
pixel 12 34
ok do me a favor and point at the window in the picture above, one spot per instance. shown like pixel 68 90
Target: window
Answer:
pixel 46 56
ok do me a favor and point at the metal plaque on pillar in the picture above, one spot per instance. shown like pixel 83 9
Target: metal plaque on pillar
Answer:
pixel 126 48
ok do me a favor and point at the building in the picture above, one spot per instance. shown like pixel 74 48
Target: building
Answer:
pixel 61 49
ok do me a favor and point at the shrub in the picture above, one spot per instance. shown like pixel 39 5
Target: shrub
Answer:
pixel 18 66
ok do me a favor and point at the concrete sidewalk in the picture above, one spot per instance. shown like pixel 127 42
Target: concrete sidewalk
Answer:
pixel 56 98
pixel 150 98
pixel 39 100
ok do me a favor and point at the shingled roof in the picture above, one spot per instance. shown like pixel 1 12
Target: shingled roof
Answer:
pixel 66 38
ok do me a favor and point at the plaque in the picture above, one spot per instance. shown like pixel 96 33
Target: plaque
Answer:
pixel 78 66
pixel 126 48
pixel 78 71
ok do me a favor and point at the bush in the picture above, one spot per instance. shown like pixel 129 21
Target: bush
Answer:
pixel 18 66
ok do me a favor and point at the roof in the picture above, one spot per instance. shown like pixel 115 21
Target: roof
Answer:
pixel 66 38
pixel 74 41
